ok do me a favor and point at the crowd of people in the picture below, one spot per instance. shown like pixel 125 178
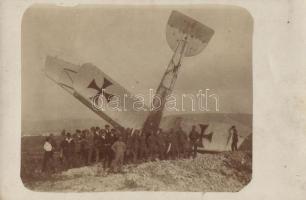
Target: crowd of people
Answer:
pixel 113 147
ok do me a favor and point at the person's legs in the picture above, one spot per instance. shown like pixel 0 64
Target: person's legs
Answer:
pixel 172 153
pixel 120 162
pixel 61 159
pixel 89 155
pixel 45 160
pixel 178 151
pixel 233 146
pixel 69 159
pixel 182 154
pixel 175 151
pixel 134 156
pixel 97 152
pixel 84 157
pixel 161 153
pixel 114 164
pixel 143 154
pixel 195 148
pixel 128 156
pixel 105 161
pixel 52 162
pixel 102 154
pixel 108 158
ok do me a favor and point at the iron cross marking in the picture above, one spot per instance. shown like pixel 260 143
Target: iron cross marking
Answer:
pixel 100 91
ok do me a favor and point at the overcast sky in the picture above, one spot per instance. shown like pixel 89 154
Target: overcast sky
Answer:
pixel 129 44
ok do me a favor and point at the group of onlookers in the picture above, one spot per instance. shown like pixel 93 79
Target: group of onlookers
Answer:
pixel 114 148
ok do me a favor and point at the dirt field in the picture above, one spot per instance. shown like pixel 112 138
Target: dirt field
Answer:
pixel 225 171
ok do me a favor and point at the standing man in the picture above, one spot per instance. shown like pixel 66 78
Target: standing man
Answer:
pixel 132 146
pixel 234 135
pixel 102 143
pixel 143 150
pixel 91 144
pixel 194 137
pixel 97 144
pixel 161 143
pixel 61 146
pixel 124 135
pixel 182 143
pixel 47 154
pixel 69 150
pixel 168 145
pixel 53 143
pixel 84 148
pixel 77 141
pixel 152 144
pixel 174 140
pixel 108 141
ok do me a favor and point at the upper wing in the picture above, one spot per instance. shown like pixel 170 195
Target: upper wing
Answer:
pixel 99 92
pixel 180 26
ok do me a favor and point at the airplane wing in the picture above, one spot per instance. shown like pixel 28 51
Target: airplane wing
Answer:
pixel 100 93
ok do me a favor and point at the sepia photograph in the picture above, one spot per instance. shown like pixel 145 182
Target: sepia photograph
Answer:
pixel 136 98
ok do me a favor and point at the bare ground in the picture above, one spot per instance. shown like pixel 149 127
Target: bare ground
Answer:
pixel 227 171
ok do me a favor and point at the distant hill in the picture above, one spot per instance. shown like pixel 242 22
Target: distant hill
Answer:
pixel 241 118
pixel 42 127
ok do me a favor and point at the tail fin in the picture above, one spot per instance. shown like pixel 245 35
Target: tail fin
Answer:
pixel 209 136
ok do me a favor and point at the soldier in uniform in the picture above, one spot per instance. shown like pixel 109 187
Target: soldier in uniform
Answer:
pixel 91 144
pixel 143 150
pixel 84 148
pixel 63 137
pixel 102 137
pixel 183 143
pixel 132 146
pixel 152 144
pixel 69 151
pixel 77 141
pixel 234 134
pixel 161 144
pixel 174 141
pixel 97 144
pixel 135 147
pixel 109 138
pixel 114 135
pixel 194 137
pixel 125 135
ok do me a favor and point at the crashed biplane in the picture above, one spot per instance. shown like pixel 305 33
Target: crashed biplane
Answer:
pixel 95 89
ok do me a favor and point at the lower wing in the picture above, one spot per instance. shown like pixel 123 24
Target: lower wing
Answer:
pixel 96 90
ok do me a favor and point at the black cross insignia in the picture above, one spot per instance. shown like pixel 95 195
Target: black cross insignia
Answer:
pixel 100 91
